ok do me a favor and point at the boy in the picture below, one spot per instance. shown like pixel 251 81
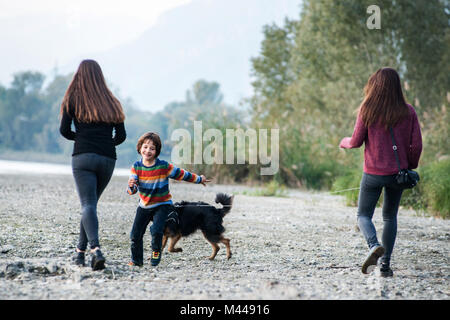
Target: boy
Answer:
pixel 150 176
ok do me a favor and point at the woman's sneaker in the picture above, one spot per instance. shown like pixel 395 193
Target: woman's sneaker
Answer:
pixel 371 261
pixel 79 258
pixel 156 258
pixel 98 260
pixel 386 271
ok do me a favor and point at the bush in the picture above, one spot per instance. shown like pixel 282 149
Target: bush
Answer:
pixel 414 198
pixel 436 187
pixel 350 180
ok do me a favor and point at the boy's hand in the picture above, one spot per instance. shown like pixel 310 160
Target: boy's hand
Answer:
pixel 132 182
pixel 204 180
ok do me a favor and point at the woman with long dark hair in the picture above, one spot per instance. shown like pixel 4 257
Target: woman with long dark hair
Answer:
pixel 384 107
pixel 96 114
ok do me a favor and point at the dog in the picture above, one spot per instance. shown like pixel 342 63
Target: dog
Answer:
pixel 189 217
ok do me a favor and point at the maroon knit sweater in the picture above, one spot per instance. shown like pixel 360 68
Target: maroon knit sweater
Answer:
pixel 379 158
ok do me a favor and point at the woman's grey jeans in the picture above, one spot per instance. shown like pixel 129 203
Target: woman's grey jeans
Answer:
pixel 92 173
pixel 371 187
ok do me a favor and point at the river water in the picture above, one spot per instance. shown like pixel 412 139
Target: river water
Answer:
pixel 25 167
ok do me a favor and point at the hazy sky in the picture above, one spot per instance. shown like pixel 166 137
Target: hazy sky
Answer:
pixel 138 44
pixel 69 29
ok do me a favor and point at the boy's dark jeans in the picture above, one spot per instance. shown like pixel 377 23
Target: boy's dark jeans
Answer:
pixel 143 217
pixel 92 173
pixel 371 187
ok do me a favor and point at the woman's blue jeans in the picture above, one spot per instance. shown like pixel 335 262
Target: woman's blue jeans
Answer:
pixel 371 187
pixel 92 173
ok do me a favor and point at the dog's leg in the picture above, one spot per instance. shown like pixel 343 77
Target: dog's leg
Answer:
pixel 215 248
pixel 226 242
pixel 164 241
pixel 173 242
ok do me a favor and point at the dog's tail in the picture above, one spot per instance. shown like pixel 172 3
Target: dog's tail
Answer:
pixel 226 201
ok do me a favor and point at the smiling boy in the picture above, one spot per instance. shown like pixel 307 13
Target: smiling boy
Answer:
pixel 150 176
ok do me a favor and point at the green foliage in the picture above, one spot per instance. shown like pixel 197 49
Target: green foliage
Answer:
pixel 348 185
pixel 29 114
pixel 432 193
pixel 436 187
pixel 204 103
pixel 435 133
pixel 271 189
pixel 414 198
pixel 310 74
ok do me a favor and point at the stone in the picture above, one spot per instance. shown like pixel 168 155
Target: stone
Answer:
pixel 6 248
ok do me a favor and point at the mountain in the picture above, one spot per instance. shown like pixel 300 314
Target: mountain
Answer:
pixel 204 39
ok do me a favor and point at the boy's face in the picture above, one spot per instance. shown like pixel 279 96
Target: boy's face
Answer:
pixel 148 150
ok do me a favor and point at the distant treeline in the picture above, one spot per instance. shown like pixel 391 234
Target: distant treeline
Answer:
pixel 29 117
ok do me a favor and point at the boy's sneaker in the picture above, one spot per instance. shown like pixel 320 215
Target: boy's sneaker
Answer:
pixel 371 261
pixel 98 260
pixel 386 271
pixel 132 264
pixel 156 258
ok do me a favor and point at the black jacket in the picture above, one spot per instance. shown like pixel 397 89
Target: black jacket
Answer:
pixel 94 137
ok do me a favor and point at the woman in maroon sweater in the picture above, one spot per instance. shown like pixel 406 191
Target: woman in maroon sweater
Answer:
pixel 383 107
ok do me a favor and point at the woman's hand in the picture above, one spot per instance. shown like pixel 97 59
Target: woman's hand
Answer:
pixel 204 180
pixel 345 143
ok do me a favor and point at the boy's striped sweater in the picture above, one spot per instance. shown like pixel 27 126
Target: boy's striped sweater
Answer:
pixel 153 182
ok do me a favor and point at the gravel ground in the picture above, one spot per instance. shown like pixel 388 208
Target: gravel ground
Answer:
pixel 304 246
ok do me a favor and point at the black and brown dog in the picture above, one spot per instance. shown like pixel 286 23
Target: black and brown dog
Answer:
pixel 192 216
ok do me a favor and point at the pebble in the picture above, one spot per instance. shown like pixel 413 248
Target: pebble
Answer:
pixel 6 249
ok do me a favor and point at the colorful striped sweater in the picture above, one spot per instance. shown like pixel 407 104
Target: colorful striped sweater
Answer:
pixel 153 182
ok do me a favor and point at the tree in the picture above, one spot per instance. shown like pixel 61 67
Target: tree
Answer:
pixel 310 75
pixel 204 92
pixel 22 108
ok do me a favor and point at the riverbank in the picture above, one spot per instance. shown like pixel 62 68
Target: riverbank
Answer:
pixel 304 246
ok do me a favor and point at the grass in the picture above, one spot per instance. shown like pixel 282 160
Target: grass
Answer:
pixel 272 189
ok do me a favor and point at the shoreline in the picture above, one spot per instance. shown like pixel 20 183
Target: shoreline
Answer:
pixel 15 167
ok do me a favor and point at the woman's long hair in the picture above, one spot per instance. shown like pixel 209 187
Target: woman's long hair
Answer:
pixel 90 97
pixel 384 102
